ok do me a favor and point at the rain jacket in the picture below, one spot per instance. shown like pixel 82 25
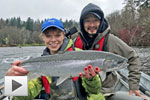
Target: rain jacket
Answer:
pixel 110 44
pixel 35 86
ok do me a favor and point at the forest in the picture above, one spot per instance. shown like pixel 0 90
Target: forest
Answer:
pixel 131 24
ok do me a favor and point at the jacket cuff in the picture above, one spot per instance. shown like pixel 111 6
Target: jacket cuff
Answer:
pixel 133 86
pixel 96 97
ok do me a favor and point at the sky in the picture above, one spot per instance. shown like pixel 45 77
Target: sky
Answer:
pixel 43 9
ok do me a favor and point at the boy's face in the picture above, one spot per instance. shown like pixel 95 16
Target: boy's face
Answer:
pixel 54 40
pixel 91 24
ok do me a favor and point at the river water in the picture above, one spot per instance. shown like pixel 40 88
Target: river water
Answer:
pixel 10 54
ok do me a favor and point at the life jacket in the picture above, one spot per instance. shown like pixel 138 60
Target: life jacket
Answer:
pixel 99 46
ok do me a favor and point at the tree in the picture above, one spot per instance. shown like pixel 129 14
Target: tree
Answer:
pixel 142 3
pixel 18 22
pixel 29 24
pixel 135 22
pixel 115 22
pixel 37 26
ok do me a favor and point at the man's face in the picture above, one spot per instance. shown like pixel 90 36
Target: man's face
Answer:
pixel 91 24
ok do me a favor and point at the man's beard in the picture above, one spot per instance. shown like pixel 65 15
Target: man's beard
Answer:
pixel 92 27
pixel 92 35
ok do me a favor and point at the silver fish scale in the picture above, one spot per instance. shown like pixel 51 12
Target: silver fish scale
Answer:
pixel 71 63
pixel 79 55
pixel 58 68
pixel 69 68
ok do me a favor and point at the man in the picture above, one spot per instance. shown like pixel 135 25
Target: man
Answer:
pixel 96 36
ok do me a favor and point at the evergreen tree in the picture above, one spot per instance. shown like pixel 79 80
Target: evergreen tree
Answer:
pixel 29 24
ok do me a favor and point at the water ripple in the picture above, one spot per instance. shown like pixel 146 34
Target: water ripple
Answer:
pixel 12 59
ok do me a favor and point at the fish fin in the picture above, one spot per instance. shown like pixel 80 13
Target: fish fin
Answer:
pixel 102 75
pixel 61 80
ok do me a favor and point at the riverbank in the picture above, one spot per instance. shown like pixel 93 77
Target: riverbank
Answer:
pixel 22 45
pixel 37 44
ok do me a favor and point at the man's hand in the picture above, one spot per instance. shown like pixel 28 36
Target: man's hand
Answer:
pixel 15 70
pixel 136 92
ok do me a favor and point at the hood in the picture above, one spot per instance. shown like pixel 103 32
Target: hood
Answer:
pixel 92 8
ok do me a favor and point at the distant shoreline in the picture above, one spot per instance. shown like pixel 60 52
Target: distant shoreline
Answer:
pixel 22 45
pixel 35 44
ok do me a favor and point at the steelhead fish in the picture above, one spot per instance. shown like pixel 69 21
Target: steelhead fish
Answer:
pixel 71 63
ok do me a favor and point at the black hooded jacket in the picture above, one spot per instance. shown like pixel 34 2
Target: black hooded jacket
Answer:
pixel 103 23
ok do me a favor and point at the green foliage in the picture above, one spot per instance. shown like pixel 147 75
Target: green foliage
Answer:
pixel 29 24
pixel 5 41
pixel 132 23
pixel 133 17
pixel 14 31
pixel 33 44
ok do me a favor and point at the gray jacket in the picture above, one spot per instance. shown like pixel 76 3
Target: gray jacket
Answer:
pixel 117 46
pixel 114 45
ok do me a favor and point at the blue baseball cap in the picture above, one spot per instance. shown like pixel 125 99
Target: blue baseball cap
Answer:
pixel 52 23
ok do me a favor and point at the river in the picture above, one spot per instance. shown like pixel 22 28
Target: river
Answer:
pixel 10 54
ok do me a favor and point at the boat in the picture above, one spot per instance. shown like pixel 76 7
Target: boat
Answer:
pixel 122 85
